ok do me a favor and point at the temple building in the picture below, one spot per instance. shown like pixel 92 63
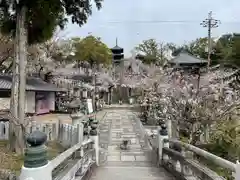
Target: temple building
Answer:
pixel 187 61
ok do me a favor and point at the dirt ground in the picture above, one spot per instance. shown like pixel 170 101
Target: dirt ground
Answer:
pixel 13 162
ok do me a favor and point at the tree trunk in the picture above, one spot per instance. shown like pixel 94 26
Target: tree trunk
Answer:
pixel 19 85
pixel 14 94
pixel 22 76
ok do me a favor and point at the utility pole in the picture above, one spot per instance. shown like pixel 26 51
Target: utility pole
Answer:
pixel 210 23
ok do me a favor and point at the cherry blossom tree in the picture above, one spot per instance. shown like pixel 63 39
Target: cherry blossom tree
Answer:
pixel 192 108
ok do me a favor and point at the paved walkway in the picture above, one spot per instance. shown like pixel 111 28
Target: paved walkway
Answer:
pixel 133 164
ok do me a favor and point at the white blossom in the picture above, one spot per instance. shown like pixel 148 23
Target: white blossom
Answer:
pixel 179 98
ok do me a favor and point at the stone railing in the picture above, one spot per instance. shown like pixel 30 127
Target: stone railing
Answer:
pixel 77 161
pixel 186 161
pixel 141 132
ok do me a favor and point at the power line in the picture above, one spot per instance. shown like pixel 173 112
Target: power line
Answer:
pixel 210 23
pixel 154 21
pixel 164 21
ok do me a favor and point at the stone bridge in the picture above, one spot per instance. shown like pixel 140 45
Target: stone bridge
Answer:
pixel 137 161
pixel 102 156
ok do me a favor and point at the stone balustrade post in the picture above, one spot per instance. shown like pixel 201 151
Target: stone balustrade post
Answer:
pixel 85 131
pixel 237 173
pixel 184 168
pixel 162 135
pixel 95 137
pixel 130 100
pixel 36 165
pixel 169 127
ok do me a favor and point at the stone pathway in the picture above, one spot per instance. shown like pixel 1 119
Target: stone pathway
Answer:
pixel 132 164
pixel 123 128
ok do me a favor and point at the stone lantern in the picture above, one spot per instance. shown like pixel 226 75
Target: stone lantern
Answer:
pixel 76 118
pixel 74 106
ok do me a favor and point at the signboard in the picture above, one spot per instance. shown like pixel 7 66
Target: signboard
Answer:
pixel 42 105
pixel 89 105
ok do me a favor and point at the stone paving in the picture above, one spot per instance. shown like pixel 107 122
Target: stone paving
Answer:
pixel 132 164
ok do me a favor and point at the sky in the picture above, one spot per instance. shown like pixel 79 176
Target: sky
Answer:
pixel 133 21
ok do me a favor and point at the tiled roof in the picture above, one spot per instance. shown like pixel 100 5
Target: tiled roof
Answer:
pixel 186 58
pixel 32 84
pixel 83 77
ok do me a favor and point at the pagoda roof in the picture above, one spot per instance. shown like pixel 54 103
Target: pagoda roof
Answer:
pixel 186 58
pixel 117 48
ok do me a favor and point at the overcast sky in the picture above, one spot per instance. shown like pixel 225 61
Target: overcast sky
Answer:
pixel 135 20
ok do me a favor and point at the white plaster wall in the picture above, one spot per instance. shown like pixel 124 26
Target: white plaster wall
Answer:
pixel 29 106
pixel 4 103
pixel 51 101
pixel 30 102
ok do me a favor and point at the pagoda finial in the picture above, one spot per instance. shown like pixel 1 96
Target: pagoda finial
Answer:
pixel 116 41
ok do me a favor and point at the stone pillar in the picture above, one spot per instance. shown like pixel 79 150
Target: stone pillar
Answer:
pixel 108 97
pixel 169 128
pixel 77 122
pixel 162 136
pixel 95 137
pixel 84 93
pixel 36 165
pixel 96 103
pixel 111 96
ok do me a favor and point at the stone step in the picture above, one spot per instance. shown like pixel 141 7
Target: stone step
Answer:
pixel 132 147
pixel 133 173
pixel 114 153
pixel 103 143
pixel 119 141
pixel 128 158
pixel 128 164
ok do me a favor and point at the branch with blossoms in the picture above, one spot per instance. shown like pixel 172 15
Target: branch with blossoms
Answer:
pixel 191 105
